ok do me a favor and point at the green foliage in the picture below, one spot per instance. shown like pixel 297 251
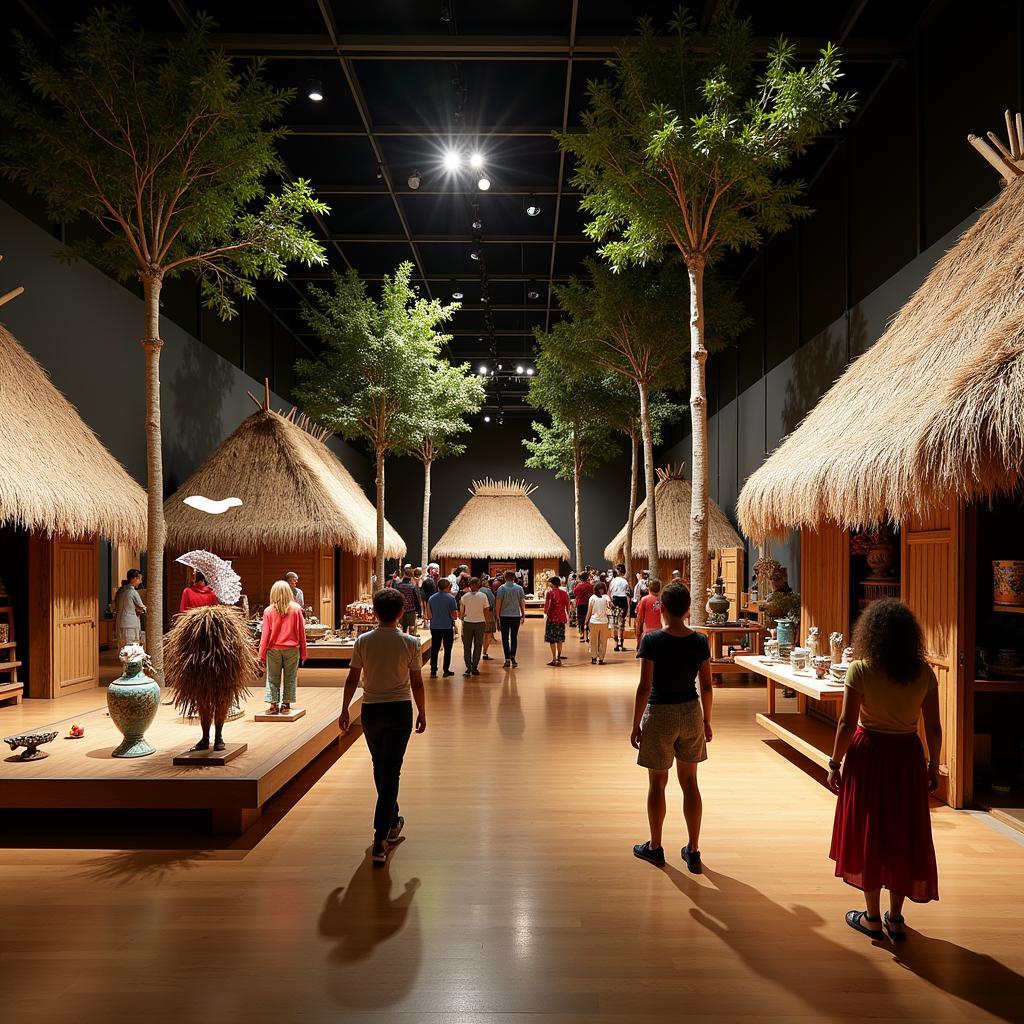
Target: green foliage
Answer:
pixel 784 606
pixel 376 356
pixel 447 394
pixel 167 147
pixel 686 145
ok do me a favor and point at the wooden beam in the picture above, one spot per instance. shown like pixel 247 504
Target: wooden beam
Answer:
pixel 255 400
pixel 12 294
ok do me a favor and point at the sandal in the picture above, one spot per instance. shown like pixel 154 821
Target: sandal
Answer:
pixel 854 918
pixel 555 662
pixel 273 710
pixel 888 920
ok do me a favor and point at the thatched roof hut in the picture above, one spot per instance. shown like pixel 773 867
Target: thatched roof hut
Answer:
pixel 296 496
pixel 56 477
pixel 932 413
pixel 500 521
pixel 672 503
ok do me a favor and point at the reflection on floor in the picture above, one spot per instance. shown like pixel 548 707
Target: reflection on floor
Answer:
pixel 515 897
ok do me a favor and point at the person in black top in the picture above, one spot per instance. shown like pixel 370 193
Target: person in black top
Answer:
pixel 672 721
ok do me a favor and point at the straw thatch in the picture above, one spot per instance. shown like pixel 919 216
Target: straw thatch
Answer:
pixel 932 413
pixel 55 475
pixel 296 496
pixel 672 502
pixel 500 521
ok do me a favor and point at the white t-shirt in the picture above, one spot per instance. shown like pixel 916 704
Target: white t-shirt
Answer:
pixel 475 606
pixel 619 587
pixel 598 610
pixel 386 655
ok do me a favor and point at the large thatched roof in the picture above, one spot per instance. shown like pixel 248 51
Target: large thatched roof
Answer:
pixel 296 496
pixel 933 412
pixel 500 521
pixel 672 503
pixel 55 474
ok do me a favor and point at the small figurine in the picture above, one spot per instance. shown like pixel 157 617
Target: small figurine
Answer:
pixel 209 659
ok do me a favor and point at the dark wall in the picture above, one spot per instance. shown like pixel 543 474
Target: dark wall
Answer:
pixel 498 452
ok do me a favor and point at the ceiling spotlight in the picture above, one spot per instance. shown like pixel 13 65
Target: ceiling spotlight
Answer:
pixel 478 225
pixel 484 184
pixel 476 254
pixel 529 371
pixel 519 370
pixel 314 90
pixel 483 369
pixel 533 294
pixel 457 295
pixel 487 419
pixel 532 207
pixel 500 366
pixel 476 161
pixel 415 180
pixel 452 160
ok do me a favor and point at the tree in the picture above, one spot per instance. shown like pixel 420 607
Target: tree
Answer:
pixel 447 394
pixel 167 148
pixel 366 382
pixel 579 438
pixel 685 146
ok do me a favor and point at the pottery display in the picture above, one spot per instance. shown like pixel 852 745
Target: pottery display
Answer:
pixel 799 659
pixel 771 649
pixel 787 631
pixel 30 741
pixel 847 655
pixel 835 644
pixel 718 604
pixel 822 663
pixel 838 672
pixel 1008 583
pixel 880 559
pixel 811 643
pixel 133 701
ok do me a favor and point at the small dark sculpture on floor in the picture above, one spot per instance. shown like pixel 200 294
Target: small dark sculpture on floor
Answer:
pixel 209 659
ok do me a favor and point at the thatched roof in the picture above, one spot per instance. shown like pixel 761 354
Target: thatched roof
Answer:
pixel 500 521
pixel 296 496
pixel 933 412
pixel 55 474
pixel 672 502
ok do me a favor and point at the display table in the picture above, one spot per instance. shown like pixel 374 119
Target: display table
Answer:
pixel 720 636
pixel 340 651
pixel 812 737
pixel 534 607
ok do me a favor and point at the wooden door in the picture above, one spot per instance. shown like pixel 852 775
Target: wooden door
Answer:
pixel 733 568
pixel 930 585
pixel 324 607
pixel 75 615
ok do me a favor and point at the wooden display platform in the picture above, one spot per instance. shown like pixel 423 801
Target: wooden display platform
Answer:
pixel 82 774
pixel 331 650
pixel 282 716
pixel 809 736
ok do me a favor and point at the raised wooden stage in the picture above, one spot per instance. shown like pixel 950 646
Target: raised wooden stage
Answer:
pixel 331 650
pixel 82 774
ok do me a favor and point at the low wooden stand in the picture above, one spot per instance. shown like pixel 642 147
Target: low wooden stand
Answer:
pixel 210 757
pixel 331 650
pixel 283 716
pixel 723 664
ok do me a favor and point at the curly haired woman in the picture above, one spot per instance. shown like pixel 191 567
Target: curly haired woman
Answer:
pixel 882 836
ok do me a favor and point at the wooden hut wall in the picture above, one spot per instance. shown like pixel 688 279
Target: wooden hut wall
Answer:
pixel 356 573
pixel 63 641
pixel 931 586
pixel 540 566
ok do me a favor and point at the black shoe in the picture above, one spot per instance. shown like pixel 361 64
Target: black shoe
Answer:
pixel 433 674
pixel 487 657
pixel 380 851
pixel 446 673
pixel 396 829
pixel 515 664
pixel 468 672
pixel 476 671
pixel 644 852
pixel 692 858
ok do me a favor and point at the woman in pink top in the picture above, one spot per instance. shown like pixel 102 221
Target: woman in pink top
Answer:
pixel 282 646
pixel 648 611
pixel 556 611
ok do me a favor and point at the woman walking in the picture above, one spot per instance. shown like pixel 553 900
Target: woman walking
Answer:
pixel 882 836
pixel 282 647
pixel 597 624
pixel 556 615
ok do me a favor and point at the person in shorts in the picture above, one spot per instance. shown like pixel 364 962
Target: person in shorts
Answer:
pixel 672 721
pixel 618 591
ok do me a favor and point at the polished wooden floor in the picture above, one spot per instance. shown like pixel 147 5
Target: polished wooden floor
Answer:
pixel 515 897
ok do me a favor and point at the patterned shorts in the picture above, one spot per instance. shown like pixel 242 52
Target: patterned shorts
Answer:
pixel 672 731
pixel 554 632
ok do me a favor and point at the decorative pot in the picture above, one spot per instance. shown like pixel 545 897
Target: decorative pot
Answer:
pixel 822 663
pixel 133 701
pixel 880 559
pixel 1008 582
pixel 718 604
pixel 787 631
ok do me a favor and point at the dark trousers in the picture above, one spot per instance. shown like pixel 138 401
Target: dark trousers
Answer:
pixel 387 728
pixel 510 634
pixel 581 618
pixel 439 638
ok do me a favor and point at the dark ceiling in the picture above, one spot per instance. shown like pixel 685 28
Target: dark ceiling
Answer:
pixel 404 81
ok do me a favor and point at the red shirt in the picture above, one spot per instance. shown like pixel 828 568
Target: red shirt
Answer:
pixel 648 613
pixel 198 595
pixel 283 631
pixel 584 592
pixel 556 605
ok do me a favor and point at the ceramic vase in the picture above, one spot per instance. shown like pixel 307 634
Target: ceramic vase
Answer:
pixel 880 559
pixel 133 701
pixel 1008 582
pixel 787 631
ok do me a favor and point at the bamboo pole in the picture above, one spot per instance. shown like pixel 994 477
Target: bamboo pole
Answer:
pixel 1011 136
pixel 12 294
pixel 1007 171
pixel 1008 154
pixel 255 400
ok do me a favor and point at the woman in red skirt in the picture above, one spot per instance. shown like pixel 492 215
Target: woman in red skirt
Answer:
pixel 882 836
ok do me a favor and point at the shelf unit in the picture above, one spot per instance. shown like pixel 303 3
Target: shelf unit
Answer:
pixel 11 688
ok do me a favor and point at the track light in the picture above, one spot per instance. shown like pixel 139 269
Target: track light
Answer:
pixel 484 184
pixel 500 366
pixel 487 419
pixel 519 370
pixel 483 370
pixel 532 207
pixel 533 294
pixel 314 90
pixel 476 161
pixel 452 160
pixel 457 296
pixel 415 180
pixel 476 254
pixel 478 224
pixel 529 371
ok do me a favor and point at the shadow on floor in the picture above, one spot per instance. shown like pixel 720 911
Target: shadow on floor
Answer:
pixel 359 919
pixel 152 867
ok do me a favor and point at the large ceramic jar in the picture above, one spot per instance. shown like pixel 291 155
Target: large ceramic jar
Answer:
pixel 133 701
pixel 1008 582
pixel 787 631
pixel 880 559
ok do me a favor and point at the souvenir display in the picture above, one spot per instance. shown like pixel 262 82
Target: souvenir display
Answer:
pixel 31 741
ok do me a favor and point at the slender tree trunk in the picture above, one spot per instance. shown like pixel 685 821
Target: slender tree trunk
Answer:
pixel 634 486
pixel 380 518
pixel 576 498
pixel 425 545
pixel 652 520
pixel 152 345
pixel 699 420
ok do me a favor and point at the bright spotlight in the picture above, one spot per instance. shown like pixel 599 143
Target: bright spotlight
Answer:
pixel 483 369
pixel 476 254
pixel 476 161
pixel 519 370
pixel 314 90
pixel 532 207
pixel 452 160
pixel 484 184
pixel 487 419
pixel 529 371
pixel 415 180
pixel 456 295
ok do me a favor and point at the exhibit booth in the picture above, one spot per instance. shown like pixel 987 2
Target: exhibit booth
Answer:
pixel 919 448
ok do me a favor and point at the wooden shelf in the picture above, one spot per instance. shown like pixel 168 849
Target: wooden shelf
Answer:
pixel 811 737
pixel 999 685
pixel 1012 609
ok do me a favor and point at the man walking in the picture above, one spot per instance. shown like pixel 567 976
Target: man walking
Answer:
pixel 429 584
pixel 475 612
pixel 441 612
pixel 618 591
pixel 510 607
pixel 406 586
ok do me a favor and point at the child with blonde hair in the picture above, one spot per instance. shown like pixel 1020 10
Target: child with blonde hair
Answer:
pixel 282 647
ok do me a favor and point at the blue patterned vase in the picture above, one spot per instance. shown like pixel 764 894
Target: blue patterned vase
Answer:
pixel 133 701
